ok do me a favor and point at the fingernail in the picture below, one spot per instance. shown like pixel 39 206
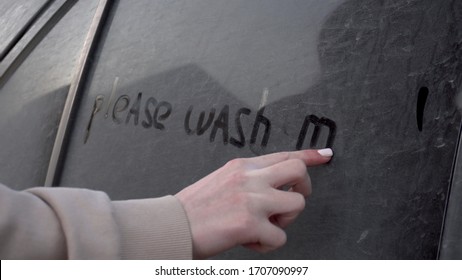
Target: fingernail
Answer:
pixel 326 152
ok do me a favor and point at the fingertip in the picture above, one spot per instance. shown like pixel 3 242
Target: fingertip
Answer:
pixel 328 153
pixel 317 157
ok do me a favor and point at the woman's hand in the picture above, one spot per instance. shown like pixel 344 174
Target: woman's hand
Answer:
pixel 243 202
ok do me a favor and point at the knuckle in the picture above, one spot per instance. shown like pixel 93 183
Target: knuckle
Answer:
pixel 280 240
pixel 298 166
pixel 299 203
pixel 283 239
pixel 285 156
pixel 237 163
pixel 308 183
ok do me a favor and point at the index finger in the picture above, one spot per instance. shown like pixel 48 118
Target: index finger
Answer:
pixel 309 157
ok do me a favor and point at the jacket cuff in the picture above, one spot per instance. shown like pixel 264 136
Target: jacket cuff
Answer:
pixel 155 228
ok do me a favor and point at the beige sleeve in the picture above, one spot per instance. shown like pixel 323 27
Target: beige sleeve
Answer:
pixel 60 223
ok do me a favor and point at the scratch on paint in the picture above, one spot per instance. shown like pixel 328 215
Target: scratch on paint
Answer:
pixel 363 236
pixel 264 98
pixel 114 89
